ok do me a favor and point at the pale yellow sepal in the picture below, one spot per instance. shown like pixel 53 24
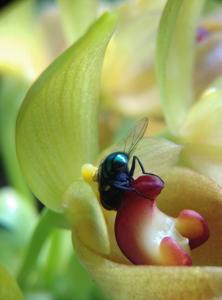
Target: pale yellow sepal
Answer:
pixel 203 124
pixel 201 134
pixel 174 59
pixel 86 217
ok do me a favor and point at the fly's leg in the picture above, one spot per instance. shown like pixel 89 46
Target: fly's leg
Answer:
pixel 121 187
pixel 133 166
pixel 127 189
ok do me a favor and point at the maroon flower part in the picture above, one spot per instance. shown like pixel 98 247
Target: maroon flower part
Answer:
pixel 147 236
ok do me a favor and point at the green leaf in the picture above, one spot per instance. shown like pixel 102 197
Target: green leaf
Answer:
pixel 77 16
pixel 174 61
pixel 57 128
pixel 9 289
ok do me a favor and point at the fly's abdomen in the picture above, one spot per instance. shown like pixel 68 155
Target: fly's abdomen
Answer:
pixel 110 197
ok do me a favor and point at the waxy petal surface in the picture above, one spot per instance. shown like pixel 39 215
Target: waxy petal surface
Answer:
pixel 203 123
pixel 122 281
pixel 57 128
pixel 86 218
pixel 201 134
pixel 175 51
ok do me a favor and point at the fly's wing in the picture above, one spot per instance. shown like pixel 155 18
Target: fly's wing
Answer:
pixel 129 141
pixel 135 136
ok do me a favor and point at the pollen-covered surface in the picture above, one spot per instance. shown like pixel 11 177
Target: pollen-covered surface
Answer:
pixel 89 172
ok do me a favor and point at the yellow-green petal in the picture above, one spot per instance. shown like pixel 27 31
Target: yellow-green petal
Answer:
pixel 86 217
pixel 57 126
pixel 201 134
pixel 174 61
pixel 203 124
pixel 9 289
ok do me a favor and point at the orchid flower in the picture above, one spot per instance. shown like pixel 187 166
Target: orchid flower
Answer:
pixel 57 134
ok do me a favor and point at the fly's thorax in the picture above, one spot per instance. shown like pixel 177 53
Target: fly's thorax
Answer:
pixel 114 163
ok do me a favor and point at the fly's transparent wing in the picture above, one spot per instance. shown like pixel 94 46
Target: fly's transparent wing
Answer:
pixel 128 142
pixel 135 136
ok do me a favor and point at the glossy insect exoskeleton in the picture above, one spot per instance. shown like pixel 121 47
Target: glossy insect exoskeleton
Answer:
pixel 115 177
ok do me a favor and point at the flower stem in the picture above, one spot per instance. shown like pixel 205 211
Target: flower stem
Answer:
pixel 47 222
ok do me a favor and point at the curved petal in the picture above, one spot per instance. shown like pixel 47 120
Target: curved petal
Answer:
pixel 175 51
pixel 201 134
pixel 203 124
pixel 186 189
pixel 206 159
pixel 86 217
pixel 149 282
pixel 57 125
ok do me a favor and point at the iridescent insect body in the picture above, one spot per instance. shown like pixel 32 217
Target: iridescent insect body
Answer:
pixel 115 177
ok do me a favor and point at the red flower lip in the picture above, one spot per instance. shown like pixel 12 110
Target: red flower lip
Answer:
pixel 147 236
